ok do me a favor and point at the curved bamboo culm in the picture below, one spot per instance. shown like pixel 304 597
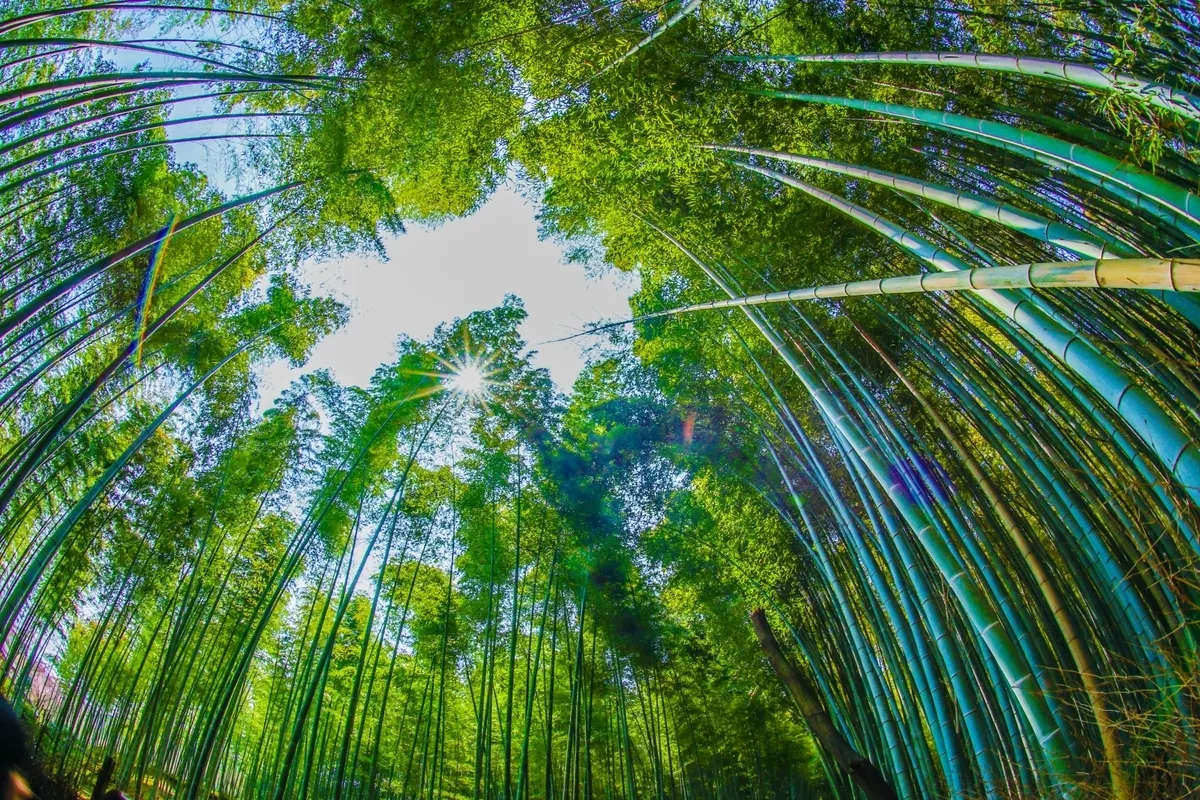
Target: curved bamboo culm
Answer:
pixel 1173 205
pixel 1158 95
pixel 168 733
pixel 1142 274
pixel 1175 448
pixel 137 47
pixel 1085 244
pixel 1018 673
pixel 34 158
pixel 177 78
pixel 25 20
pixel 61 286
pixel 45 133
pixel 22 314
pixel 687 8
pixel 1147 274
pixel 27 301
pixel 1119 779
pixel 1030 224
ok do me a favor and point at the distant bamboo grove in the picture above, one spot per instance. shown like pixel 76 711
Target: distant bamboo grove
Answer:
pixel 887 487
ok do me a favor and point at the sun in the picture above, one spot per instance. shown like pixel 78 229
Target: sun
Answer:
pixel 469 373
pixel 467 379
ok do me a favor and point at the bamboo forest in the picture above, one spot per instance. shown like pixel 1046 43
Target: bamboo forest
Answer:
pixel 885 484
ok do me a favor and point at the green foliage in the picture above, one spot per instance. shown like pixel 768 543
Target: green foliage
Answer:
pixel 970 518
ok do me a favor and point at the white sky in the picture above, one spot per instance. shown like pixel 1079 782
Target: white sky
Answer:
pixel 435 275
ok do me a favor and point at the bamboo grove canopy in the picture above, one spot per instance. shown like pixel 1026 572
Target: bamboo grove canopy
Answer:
pixel 888 487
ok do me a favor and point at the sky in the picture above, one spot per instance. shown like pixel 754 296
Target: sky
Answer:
pixel 434 275
pixel 430 276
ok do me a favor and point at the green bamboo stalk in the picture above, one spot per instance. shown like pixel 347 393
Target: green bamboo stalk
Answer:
pixel 120 111
pixel 929 689
pixel 1157 95
pixel 24 20
pixel 1173 446
pixel 339 779
pixel 531 688
pixel 65 147
pixel 111 79
pixel 138 47
pixel 1175 206
pixel 858 641
pixel 1118 774
pixel 32 454
pixel 26 311
pixel 331 638
pixel 1050 737
pixel 688 7
pixel 281 574
pixel 512 648
pixel 20 592
pixel 63 166
pixel 1078 242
